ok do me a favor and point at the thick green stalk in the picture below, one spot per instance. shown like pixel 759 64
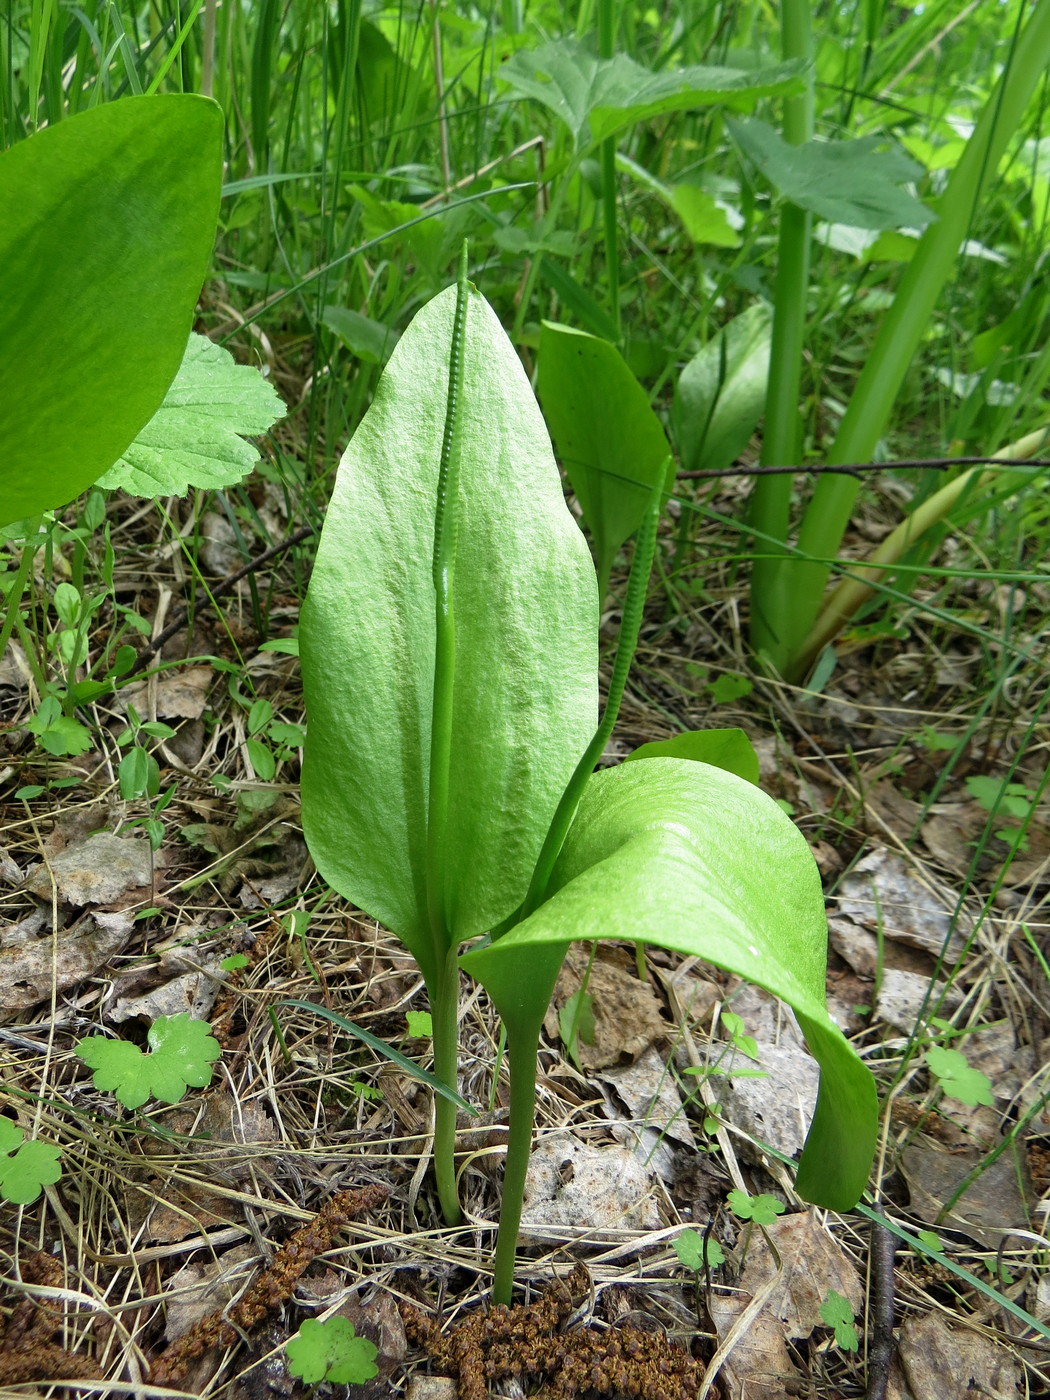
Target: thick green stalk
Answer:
pixel 864 578
pixel 606 49
pixel 630 626
pixel 771 499
pixel 522 1052
pixel 444 992
pixel 906 321
pixel 444 1012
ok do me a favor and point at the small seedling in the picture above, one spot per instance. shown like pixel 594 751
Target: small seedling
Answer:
pixel 696 1253
pixel 734 1029
pixel 25 1167
pixel 234 962
pixel 420 1023
pixel 182 1052
pixel 761 1210
pixel 331 1351
pixel 931 1240
pixel 837 1313
pixel 956 1077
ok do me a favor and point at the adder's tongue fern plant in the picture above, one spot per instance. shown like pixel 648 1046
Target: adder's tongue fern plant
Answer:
pixel 450 662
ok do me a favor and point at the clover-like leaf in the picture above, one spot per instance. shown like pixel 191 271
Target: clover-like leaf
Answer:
pixel 197 436
pixel 762 1209
pixel 836 1312
pixel 696 1253
pixel 331 1351
pixel 182 1055
pixel 957 1078
pixel 25 1167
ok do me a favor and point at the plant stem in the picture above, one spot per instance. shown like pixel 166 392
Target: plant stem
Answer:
pixel 444 988
pixel 864 578
pixel 771 500
pixel 444 1011
pixel 630 626
pixel 606 49
pixel 522 1053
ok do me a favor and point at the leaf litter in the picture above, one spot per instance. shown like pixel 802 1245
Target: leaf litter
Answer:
pixel 281 1135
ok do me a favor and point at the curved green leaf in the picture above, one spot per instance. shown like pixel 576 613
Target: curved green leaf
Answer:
pixel 690 858
pixel 728 749
pixel 525 698
pixel 108 224
pixel 721 392
pixel 609 439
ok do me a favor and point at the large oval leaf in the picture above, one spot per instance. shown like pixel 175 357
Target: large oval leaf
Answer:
pixel 691 858
pixel 109 219
pixel 525 697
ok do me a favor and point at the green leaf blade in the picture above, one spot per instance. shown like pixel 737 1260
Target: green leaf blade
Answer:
pixel 610 441
pixel 525 699
pixel 106 240
pixel 690 858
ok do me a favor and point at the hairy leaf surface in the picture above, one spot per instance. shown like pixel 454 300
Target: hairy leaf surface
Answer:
pixel 525 697
pixel 691 858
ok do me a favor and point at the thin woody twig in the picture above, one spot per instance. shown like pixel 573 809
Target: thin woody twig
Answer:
pixel 883 1249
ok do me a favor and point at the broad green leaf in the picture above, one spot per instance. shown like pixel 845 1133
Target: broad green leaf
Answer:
pixel 728 749
pixel 706 219
pixel 690 858
pixel 196 437
pixel 597 97
pixel 106 237
pixel 182 1052
pixel 845 182
pixel 609 440
pixel 525 697
pixel 721 393
pixel 763 1209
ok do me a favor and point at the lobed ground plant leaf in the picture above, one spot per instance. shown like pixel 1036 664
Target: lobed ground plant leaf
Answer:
pixel 25 1167
pixel 197 436
pixel 845 182
pixel 181 1052
pixel 107 230
pixel 597 97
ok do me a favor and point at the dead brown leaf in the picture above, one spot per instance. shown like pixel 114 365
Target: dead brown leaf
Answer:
pixel 940 1361
pixel 881 891
pixel 812 1263
pixel 759 1366
pixel 628 1015
pixel 993 1205
pixel 100 869
pixel 32 966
